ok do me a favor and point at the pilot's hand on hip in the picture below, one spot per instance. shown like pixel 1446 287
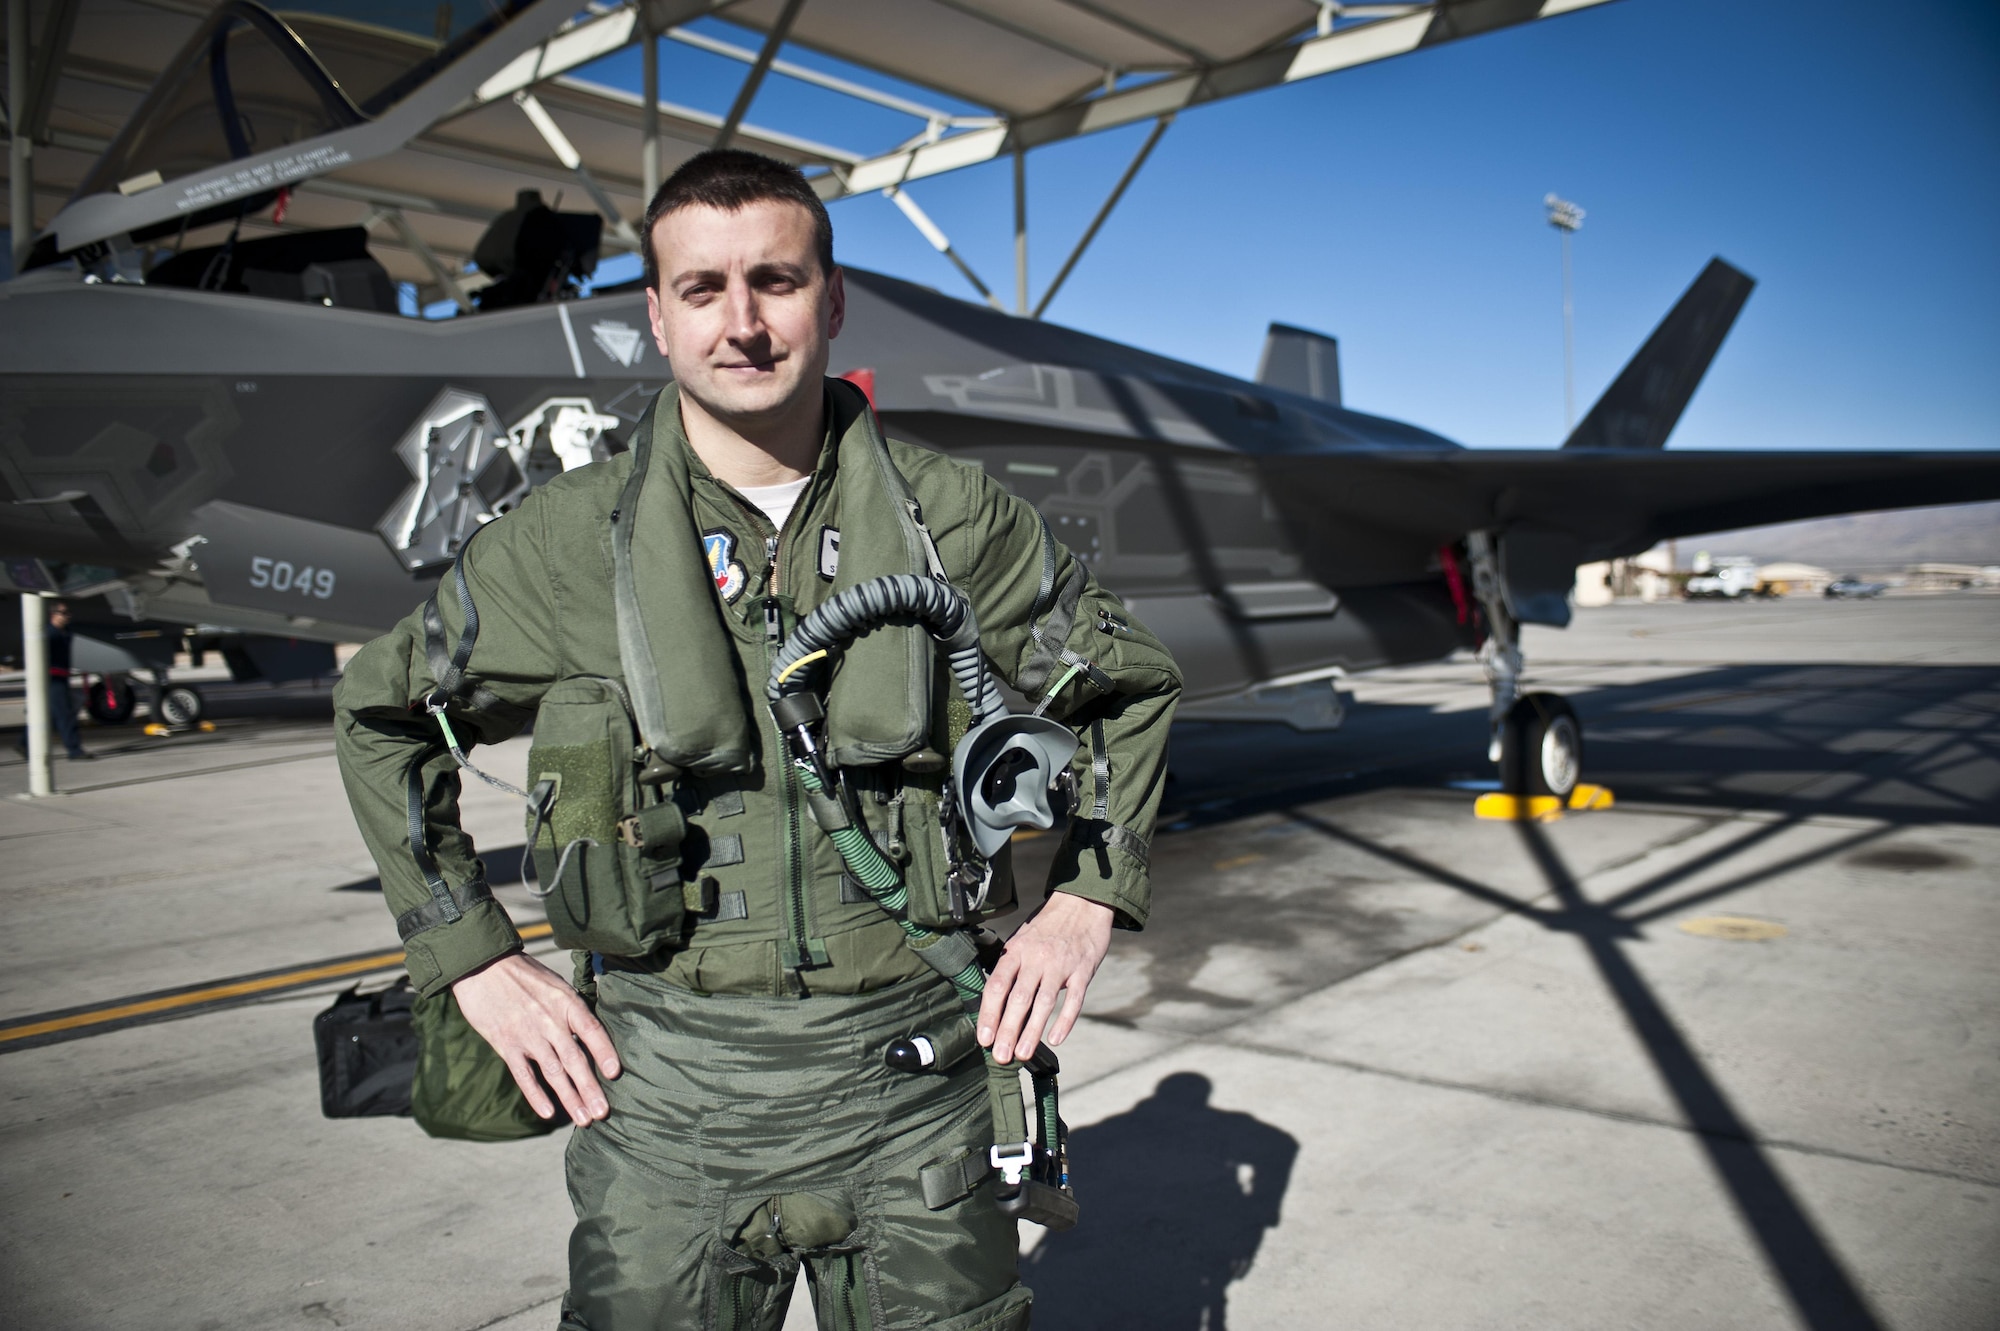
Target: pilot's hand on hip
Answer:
pixel 533 1018
pixel 1053 955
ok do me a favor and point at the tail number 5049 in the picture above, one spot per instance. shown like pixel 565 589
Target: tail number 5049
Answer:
pixel 280 576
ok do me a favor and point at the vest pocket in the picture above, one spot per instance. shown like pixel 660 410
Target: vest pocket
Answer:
pixel 606 849
pixel 928 872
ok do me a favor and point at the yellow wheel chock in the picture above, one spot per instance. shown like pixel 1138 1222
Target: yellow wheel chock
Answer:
pixel 1498 807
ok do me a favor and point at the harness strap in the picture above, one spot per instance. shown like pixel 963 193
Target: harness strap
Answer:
pixel 1093 834
pixel 444 906
pixel 930 546
pixel 1003 1095
pixel 1050 620
pixel 635 652
pixel 948 1180
pixel 448 670
pixel 1100 769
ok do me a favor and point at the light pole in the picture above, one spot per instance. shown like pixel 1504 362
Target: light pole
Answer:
pixel 1566 217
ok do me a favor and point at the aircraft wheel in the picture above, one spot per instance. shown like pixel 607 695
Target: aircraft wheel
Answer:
pixel 179 706
pixel 111 700
pixel 1541 747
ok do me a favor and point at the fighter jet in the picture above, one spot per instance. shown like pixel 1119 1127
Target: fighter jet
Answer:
pixel 246 434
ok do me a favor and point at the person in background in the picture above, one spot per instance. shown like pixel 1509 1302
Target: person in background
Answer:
pixel 62 706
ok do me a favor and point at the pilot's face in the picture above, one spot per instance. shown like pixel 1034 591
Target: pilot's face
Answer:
pixel 743 311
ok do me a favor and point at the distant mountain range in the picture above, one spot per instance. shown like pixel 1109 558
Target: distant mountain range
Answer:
pixel 1876 542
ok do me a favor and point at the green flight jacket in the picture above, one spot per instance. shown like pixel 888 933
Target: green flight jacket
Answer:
pixel 541 580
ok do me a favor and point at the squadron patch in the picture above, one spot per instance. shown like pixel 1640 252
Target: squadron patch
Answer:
pixel 829 552
pixel 719 544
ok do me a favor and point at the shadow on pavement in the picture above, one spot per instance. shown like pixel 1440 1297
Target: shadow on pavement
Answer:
pixel 1177 1197
pixel 1900 747
pixel 1908 744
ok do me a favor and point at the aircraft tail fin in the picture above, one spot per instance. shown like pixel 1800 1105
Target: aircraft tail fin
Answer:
pixel 1301 361
pixel 1645 401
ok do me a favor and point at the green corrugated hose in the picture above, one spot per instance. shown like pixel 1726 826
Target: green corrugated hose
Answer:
pixel 886 886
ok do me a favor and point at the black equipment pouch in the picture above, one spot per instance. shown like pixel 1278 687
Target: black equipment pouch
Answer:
pixel 367 1052
pixel 606 847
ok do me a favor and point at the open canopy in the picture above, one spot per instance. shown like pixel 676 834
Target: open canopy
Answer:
pixel 176 118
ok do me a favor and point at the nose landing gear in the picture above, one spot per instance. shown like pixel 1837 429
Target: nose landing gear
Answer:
pixel 1541 747
pixel 1536 739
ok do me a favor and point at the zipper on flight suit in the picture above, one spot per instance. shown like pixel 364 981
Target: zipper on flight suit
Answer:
pixel 807 951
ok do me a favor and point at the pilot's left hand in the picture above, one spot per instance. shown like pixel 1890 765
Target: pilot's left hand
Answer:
pixel 1054 954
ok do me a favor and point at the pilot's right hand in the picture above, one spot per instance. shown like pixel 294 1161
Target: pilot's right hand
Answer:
pixel 534 1019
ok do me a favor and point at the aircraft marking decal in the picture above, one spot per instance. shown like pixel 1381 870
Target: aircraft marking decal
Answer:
pixel 620 341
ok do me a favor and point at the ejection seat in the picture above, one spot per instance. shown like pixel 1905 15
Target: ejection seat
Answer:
pixel 535 254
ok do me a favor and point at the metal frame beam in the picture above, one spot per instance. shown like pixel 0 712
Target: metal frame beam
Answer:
pixel 1020 230
pixel 20 148
pixel 567 154
pixel 581 43
pixel 1402 31
pixel 1140 30
pixel 61 23
pixel 1117 193
pixel 940 242
pixel 649 112
pixel 754 80
pixel 847 88
pixel 447 280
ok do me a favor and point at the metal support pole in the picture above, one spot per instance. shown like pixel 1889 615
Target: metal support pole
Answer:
pixel 1566 217
pixel 1020 229
pixel 755 78
pixel 1569 344
pixel 1117 193
pixel 941 243
pixel 649 113
pixel 20 148
pixel 566 153
pixel 35 662
pixel 446 279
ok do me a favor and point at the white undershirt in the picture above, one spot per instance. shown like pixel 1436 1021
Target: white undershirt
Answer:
pixel 777 501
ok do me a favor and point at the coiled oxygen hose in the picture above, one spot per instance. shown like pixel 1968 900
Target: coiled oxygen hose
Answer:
pixel 940 608
pixel 947 616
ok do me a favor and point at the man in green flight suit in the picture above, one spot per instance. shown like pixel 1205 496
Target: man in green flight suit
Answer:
pixel 742 1125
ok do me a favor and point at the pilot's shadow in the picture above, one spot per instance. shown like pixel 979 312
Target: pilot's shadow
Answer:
pixel 1177 1196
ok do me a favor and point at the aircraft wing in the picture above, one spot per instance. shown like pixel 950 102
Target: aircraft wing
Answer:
pixel 1381 516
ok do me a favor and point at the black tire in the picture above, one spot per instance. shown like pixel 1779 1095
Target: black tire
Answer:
pixel 111 700
pixel 178 706
pixel 1541 747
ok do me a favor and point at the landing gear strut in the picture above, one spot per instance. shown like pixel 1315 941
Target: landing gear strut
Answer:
pixel 1535 738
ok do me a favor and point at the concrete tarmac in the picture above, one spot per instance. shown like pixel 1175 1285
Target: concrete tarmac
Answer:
pixel 1373 1064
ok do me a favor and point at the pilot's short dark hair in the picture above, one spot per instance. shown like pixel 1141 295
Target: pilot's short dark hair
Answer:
pixel 731 179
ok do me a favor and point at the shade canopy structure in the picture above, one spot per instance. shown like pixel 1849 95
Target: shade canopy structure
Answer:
pixel 164 123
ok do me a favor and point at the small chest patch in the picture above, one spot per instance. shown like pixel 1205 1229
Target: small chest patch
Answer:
pixel 829 552
pixel 719 544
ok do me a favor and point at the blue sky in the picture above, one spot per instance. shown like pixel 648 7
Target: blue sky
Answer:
pixel 1846 155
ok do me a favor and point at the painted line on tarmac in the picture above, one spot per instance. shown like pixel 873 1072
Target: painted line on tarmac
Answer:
pixel 198 771
pixel 45 1028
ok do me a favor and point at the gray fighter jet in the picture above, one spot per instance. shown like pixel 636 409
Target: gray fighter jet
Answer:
pixel 247 435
